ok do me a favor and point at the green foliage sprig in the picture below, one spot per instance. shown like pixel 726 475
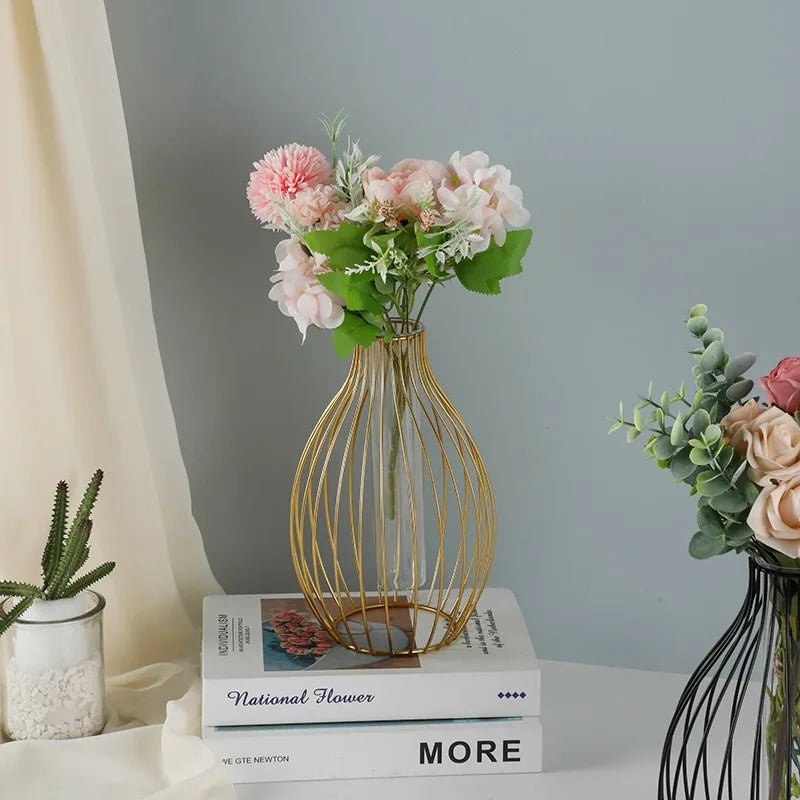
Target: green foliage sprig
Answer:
pixel 687 437
pixel 65 552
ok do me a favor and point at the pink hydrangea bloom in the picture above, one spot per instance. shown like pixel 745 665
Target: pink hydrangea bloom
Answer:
pixel 282 174
pixel 406 184
pixel 502 202
pixel 298 292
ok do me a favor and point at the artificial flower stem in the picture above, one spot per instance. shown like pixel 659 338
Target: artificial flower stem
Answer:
pixel 424 303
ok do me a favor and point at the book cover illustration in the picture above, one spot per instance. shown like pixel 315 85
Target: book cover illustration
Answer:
pixel 293 639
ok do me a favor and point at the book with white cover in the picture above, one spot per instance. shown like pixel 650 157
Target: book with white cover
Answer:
pixel 343 750
pixel 267 661
pixel 445 787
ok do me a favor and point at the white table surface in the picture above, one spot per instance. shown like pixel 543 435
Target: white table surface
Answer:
pixel 603 732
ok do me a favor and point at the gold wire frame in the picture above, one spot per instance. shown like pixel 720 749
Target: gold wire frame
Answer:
pixel 341 549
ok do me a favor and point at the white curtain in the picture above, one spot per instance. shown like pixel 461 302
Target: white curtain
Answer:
pixel 82 386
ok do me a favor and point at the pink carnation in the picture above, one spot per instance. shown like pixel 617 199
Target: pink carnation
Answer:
pixel 282 174
pixel 319 205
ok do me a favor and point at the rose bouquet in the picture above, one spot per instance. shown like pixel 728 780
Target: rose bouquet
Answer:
pixel 740 456
pixel 363 242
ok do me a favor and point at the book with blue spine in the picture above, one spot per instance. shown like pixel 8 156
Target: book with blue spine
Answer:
pixel 352 750
pixel 267 661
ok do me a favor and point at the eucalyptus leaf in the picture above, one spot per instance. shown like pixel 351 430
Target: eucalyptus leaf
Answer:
pixel 729 503
pixel 711 484
pixel 702 546
pixel 738 534
pixel 712 433
pixel 739 390
pixel 681 465
pixel 713 335
pixel 637 419
pixel 678 434
pixel 751 492
pixel 700 421
pixel 697 326
pixel 663 448
pixel 700 457
pixel 713 356
pixel 738 365
pixel 698 310
pixel 709 522
pixel 633 434
pixel 616 425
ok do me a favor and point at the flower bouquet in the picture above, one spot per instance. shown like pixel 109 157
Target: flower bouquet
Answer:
pixel 365 249
pixel 363 242
pixel 740 456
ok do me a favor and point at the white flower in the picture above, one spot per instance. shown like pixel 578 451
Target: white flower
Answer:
pixel 298 292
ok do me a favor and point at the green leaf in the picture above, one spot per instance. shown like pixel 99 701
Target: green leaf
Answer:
pixel 58 529
pixel 700 456
pixel 616 425
pixel 665 400
pixel 344 245
pixel 712 434
pixel 711 484
pixel 662 448
pixel 484 272
pixel 356 291
pixel 698 310
pixel 713 335
pixel 19 589
pixel 729 503
pixel 432 238
pixel 697 326
pixel 637 419
pixel 709 522
pixel 725 456
pixel 703 546
pixel 678 435
pixel 354 330
pixel 738 365
pixel 713 356
pixel 681 465
pixel 738 534
pixel 739 390
pixel 700 421
pixel 19 609
pixel 633 434
pixel 751 492
pixel 88 579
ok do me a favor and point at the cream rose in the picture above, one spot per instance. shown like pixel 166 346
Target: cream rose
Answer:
pixel 740 416
pixel 775 517
pixel 770 442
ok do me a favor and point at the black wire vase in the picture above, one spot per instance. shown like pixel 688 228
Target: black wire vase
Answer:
pixel 744 697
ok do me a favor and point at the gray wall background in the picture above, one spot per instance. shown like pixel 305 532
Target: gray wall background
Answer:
pixel 657 145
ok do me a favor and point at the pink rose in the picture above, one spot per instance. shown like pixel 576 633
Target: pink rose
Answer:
pixel 404 186
pixel 783 385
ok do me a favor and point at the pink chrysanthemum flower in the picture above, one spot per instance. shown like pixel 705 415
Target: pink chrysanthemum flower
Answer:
pixel 282 173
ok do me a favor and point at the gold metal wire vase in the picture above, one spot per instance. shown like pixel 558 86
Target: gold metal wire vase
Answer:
pixel 392 517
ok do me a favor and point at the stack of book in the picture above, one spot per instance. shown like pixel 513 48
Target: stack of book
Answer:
pixel 284 704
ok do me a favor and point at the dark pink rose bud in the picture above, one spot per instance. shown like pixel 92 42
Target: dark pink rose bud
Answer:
pixel 783 385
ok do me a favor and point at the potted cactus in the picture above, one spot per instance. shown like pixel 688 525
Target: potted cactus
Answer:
pixel 52 645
